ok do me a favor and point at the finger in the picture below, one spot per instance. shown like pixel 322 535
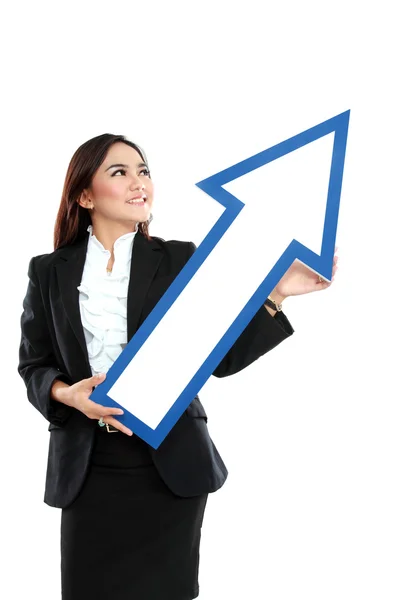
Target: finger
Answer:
pixel 105 411
pixel 91 383
pixel 324 285
pixel 98 410
pixel 96 379
pixel 118 425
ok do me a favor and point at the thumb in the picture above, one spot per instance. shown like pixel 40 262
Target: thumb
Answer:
pixel 96 379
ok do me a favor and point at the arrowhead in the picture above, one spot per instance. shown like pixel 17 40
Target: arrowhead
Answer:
pixel 298 181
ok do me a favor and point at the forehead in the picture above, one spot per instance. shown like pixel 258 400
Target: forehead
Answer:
pixel 122 153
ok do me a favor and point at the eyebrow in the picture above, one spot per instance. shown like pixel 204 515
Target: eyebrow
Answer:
pixel 142 164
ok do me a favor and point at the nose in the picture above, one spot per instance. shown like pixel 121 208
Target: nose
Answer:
pixel 136 183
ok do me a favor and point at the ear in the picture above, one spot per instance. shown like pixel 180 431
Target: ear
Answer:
pixel 84 200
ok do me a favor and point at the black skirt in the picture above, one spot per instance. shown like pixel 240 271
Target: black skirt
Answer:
pixel 127 536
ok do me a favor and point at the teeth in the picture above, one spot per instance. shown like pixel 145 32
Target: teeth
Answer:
pixel 139 201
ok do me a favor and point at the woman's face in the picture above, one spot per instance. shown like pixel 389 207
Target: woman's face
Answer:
pixel 121 189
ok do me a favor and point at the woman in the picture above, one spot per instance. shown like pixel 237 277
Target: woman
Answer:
pixel 131 515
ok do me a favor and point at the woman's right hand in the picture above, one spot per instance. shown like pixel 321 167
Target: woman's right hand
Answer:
pixel 77 396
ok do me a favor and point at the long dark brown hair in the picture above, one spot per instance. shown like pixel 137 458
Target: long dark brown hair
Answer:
pixel 72 219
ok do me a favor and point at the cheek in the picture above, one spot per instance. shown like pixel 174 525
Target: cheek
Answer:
pixel 108 190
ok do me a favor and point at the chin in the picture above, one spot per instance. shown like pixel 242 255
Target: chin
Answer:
pixel 143 219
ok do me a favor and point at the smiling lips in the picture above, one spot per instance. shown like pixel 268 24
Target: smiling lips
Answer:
pixel 138 201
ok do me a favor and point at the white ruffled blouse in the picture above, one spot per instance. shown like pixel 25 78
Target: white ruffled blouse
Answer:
pixel 103 300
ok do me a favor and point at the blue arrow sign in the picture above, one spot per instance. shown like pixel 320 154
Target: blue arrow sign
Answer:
pixel 208 305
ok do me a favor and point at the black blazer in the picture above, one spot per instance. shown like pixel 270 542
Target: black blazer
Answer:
pixel 53 347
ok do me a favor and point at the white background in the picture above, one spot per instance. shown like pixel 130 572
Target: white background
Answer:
pixel 310 432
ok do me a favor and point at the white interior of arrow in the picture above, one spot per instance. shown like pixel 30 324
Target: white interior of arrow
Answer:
pixel 293 188
pixel 284 200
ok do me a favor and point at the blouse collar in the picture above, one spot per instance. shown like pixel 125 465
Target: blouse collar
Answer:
pixel 127 236
pixel 122 250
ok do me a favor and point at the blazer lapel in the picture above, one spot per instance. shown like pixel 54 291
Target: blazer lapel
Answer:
pixel 146 258
pixel 69 274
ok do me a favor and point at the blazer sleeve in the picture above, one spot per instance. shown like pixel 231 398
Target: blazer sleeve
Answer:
pixel 37 363
pixel 263 333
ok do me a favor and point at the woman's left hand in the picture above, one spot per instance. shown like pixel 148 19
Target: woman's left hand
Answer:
pixel 299 280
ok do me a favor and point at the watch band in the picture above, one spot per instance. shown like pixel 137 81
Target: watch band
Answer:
pixel 272 304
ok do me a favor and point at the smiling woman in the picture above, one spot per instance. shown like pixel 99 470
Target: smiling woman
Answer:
pixel 131 515
pixel 109 176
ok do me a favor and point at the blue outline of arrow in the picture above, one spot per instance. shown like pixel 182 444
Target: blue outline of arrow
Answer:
pixel 322 264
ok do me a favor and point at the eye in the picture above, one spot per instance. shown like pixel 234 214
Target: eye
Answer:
pixel 119 171
pixel 145 171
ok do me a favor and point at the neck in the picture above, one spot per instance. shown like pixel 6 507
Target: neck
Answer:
pixel 107 233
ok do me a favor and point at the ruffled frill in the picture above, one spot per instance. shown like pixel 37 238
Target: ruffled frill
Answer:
pixel 103 303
